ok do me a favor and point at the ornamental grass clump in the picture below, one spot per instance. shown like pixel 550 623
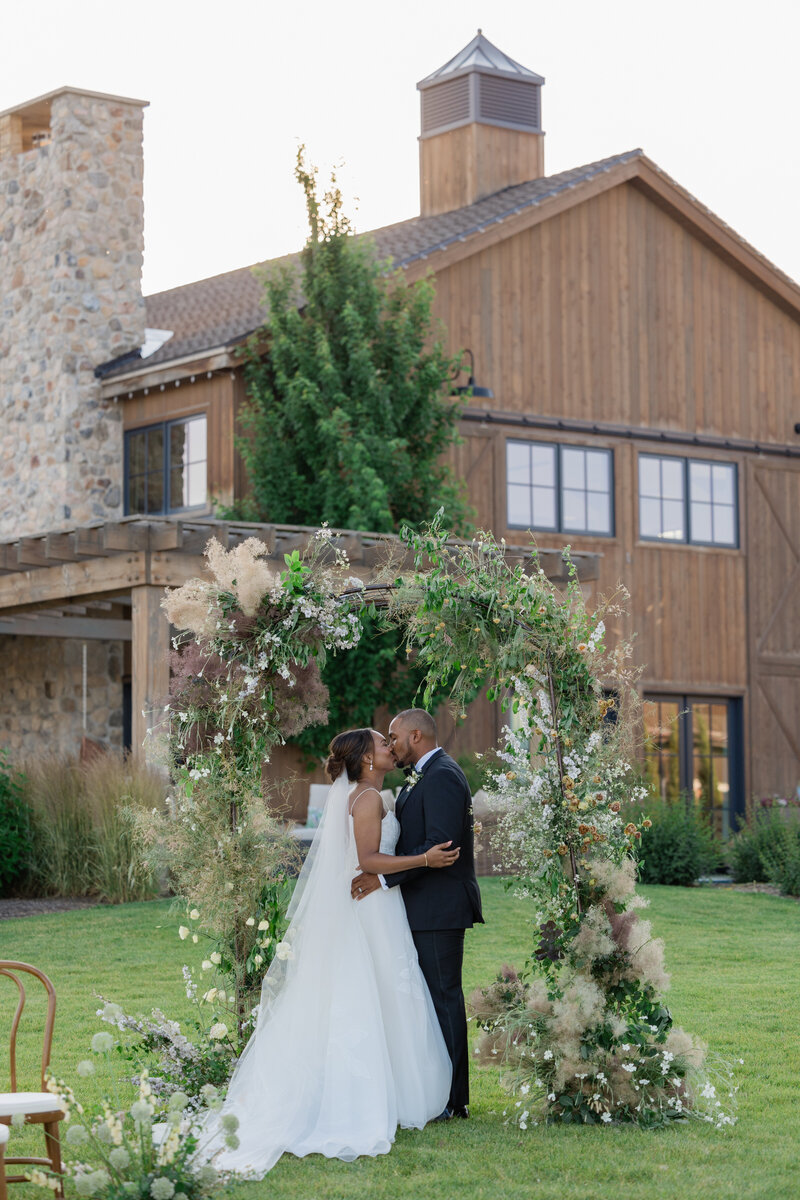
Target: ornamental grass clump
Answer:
pixel 583 1033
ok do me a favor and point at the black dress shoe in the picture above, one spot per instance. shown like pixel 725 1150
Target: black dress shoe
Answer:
pixel 445 1115
pixel 461 1112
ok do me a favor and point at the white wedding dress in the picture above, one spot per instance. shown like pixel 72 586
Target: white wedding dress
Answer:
pixel 347 1045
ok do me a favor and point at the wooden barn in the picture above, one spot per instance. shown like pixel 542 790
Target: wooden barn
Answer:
pixel 637 396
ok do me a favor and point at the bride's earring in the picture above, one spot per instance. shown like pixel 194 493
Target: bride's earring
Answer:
pixel 370 764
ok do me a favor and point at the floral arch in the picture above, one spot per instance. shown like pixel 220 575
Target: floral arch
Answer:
pixel 582 1033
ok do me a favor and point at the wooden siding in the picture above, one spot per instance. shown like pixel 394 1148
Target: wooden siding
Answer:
pixel 614 312
pixel 774 624
pixel 462 165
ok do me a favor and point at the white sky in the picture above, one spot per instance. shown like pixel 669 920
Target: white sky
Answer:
pixel 708 88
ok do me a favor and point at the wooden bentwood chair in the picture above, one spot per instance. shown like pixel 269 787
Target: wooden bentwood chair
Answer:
pixel 38 1108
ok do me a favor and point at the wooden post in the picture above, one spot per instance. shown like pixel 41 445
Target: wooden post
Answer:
pixel 149 667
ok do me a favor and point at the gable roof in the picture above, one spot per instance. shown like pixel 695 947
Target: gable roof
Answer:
pixel 217 313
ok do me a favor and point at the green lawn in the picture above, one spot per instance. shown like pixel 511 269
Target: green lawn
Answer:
pixel 735 960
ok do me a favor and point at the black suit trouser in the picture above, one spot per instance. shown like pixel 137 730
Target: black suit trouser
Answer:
pixel 441 956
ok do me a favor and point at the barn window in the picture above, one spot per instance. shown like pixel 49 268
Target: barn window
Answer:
pixel 560 488
pixel 687 500
pixel 166 467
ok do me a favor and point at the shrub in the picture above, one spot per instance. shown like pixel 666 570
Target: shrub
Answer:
pixel 679 847
pixel 746 848
pixel 767 849
pixel 15 831
pixel 82 838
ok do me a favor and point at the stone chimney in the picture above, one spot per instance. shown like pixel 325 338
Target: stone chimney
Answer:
pixel 71 245
pixel 481 128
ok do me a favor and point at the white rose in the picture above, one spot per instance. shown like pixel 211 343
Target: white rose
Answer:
pixel 183 933
pixel 218 1031
pixel 215 957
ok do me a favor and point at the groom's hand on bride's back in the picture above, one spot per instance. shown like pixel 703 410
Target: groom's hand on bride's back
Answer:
pixel 364 885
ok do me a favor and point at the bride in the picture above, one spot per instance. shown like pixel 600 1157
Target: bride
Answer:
pixel 347 1045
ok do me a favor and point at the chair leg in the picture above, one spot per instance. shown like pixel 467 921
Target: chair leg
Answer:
pixel 53 1151
pixel 3 1191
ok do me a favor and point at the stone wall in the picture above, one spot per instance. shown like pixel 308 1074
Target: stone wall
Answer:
pixel 71 245
pixel 41 695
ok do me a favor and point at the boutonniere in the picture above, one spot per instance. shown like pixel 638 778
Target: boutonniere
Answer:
pixel 412 779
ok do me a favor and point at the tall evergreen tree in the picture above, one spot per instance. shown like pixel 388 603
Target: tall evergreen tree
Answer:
pixel 347 418
pixel 348 411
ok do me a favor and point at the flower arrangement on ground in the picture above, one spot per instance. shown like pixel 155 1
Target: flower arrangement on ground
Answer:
pixel 129 1149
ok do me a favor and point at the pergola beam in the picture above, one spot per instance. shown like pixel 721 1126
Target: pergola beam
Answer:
pixel 72 580
pixel 84 628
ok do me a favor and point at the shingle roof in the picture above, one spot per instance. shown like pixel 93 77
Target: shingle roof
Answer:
pixel 225 309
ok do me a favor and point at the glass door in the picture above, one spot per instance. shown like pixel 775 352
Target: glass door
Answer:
pixel 693 749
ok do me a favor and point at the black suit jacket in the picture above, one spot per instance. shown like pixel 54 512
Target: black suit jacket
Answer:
pixel 438 809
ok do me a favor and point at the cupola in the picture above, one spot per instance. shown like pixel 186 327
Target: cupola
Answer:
pixel 481 127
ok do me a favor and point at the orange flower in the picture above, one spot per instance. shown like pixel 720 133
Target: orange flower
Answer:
pixel 615 807
pixel 562 849
pixel 646 823
pixel 630 829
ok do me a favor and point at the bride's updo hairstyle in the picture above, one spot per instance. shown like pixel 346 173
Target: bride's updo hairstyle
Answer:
pixel 347 751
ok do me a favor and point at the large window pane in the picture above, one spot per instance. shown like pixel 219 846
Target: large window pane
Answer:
pixel 723 477
pixel 155 450
pixel 519 506
pixel 177 487
pixel 598 517
pixel 672 478
pixel 197 439
pixel 136 494
pixel 196 485
pixel 518 463
pixel 543 465
pixel 649 517
pixel 544 508
pixel 136 452
pixel 573 468
pixel 724 526
pixel 155 492
pixel 672 526
pixel 597 466
pixel 701 523
pixel 700 481
pixel 649 476
pixel 179 443
pixel 573 513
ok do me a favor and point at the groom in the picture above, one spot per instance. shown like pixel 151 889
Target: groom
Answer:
pixel 435 806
